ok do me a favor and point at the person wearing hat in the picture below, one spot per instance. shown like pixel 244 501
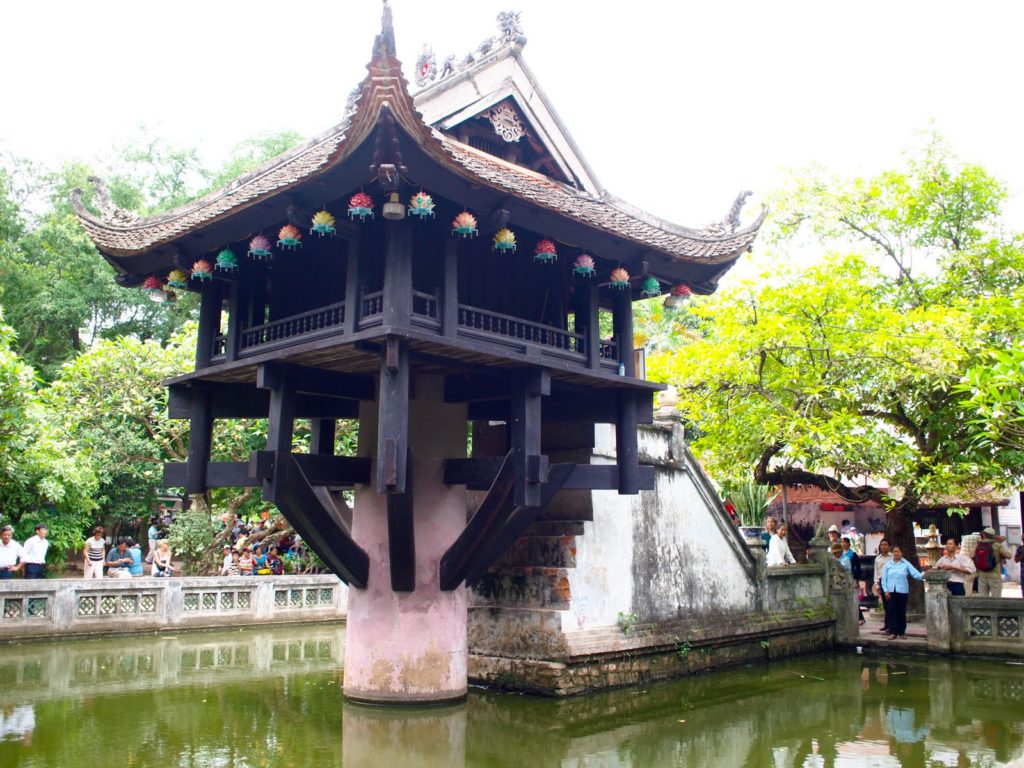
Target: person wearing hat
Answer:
pixel 34 553
pixel 833 534
pixel 11 554
pixel 988 559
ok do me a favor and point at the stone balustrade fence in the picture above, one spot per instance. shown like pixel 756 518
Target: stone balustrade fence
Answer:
pixel 977 626
pixel 59 607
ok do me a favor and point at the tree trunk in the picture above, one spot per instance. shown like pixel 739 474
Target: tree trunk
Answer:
pixel 899 529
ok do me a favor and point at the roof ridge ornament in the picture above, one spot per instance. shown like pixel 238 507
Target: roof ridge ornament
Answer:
pixel 107 210
pixel 731 222
pixel 384 43
pixel 510 34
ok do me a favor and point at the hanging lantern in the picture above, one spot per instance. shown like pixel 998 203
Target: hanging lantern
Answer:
pixel 361 205
pixel 202 270
pixel 545 252
pixel 154 288
pixel 227 261
pixel 584 265
pixel 464 225
pixel 504 240
pixel 620 278
pixel 177 278
pixel 422 205
pixel 289 237
pixel 259 248
pixel 680 292
pixel 323 224
pixel 650 288
pixel 393 209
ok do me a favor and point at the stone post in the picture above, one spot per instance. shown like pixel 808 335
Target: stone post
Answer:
pixel 409 647
pixel 821 552
pixel 936 608
pixel 933 548
pixel 843 595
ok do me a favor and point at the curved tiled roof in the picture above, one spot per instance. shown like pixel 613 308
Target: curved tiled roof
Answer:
pixel 384 90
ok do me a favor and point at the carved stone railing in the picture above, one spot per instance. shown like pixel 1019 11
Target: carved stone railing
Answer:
pixel 981 626
pixel 78 606
pixel 316 322
pixel 518 333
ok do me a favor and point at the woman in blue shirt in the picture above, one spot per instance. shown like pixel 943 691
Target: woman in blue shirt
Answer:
pixel 897 588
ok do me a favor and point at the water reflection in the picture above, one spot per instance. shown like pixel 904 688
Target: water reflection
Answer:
pixel 272 697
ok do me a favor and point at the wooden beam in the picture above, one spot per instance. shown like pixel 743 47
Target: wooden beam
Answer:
pixel 305 512
pixel 200 437
pixel 321 436
pixel 402 536
pixel 626 451
pixel 397 274
pixel 490 515
pixel 318 381
pixel 479 474
pixel 352 292
pixel 393 417
pixel 242 401
pixel 210 307
pixel 319 469
pixel 524 430
pixel 219 474
pixel 450 289
pixel 599 406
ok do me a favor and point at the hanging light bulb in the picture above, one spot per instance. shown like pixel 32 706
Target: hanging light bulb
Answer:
pixel 394 209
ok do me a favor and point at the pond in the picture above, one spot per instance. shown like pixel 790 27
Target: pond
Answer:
pixel 269 697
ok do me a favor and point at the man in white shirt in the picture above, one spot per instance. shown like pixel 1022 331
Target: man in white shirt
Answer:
pixel 10 553
pixel 882 559
pixel 960 568
pixel 34 553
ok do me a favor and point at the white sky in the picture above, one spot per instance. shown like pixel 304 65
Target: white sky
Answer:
pixel 677 106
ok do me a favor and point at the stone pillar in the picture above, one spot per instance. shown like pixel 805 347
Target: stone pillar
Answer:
pixel 410 647
pixel 820 550
pixel 936 609
pixel 843 595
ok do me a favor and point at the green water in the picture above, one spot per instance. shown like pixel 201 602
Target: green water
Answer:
pixel 272 697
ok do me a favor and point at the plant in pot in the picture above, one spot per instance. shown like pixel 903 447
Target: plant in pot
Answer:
pixel 751 501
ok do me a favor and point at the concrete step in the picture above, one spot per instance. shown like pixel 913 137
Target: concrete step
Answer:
pixel 522 587
pixel 540 551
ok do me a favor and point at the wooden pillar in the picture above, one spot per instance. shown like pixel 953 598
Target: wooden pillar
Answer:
pixel 352 292
pixel 280 420
pixel 321 436
pixel 397 273
pixel 626 449
pixel 622 322
pixel 200 437
pixel 524 427
pixel 588 321
pixel 209 321
pixel 238 316
pixel 450 289
pixel 393 417
pixel 401 535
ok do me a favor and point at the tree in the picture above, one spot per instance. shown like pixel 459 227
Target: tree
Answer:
pixel 847 369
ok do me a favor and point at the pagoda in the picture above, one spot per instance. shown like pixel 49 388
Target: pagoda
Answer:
pixel 427 265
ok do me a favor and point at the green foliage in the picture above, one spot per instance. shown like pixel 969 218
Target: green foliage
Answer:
pixel 750 499
pixel 191 533
pixel 627 623
pixel 993 395
pixel 252 153
pixel 849 367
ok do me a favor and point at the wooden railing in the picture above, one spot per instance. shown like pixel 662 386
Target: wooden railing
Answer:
pixel 425 309
pixel 220 348
pixel 324 319
pixel 520 330
pixel 372 309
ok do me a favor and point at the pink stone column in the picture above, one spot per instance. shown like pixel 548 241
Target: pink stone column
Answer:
pixel 410 647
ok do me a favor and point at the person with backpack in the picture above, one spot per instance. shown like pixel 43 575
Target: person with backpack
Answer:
pixel 960 568
pixel 988 560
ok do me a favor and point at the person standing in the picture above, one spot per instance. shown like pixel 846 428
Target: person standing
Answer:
pixel 152 537
pixel 778 549
pixel 95 554
pixel 959 566
pixel 769 531
pixel 883 558
pixel 988 559
pixel 897 589
pixel 34 555
pixel 11 554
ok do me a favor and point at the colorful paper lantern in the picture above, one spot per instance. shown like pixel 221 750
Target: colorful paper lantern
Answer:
pixel 259 248
pixel 545 252
pixel 323 224
pixel 504 240
pixel 422 205
pixel 289 237
pixel 650 288
pixel 154 288
pixel 177 278
pixel 170 296
pixel 227 261
pixel 202 270
pixel 361 205
pixel 584 265
pixel 620 278
pixel 464 225
pixel 681 290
